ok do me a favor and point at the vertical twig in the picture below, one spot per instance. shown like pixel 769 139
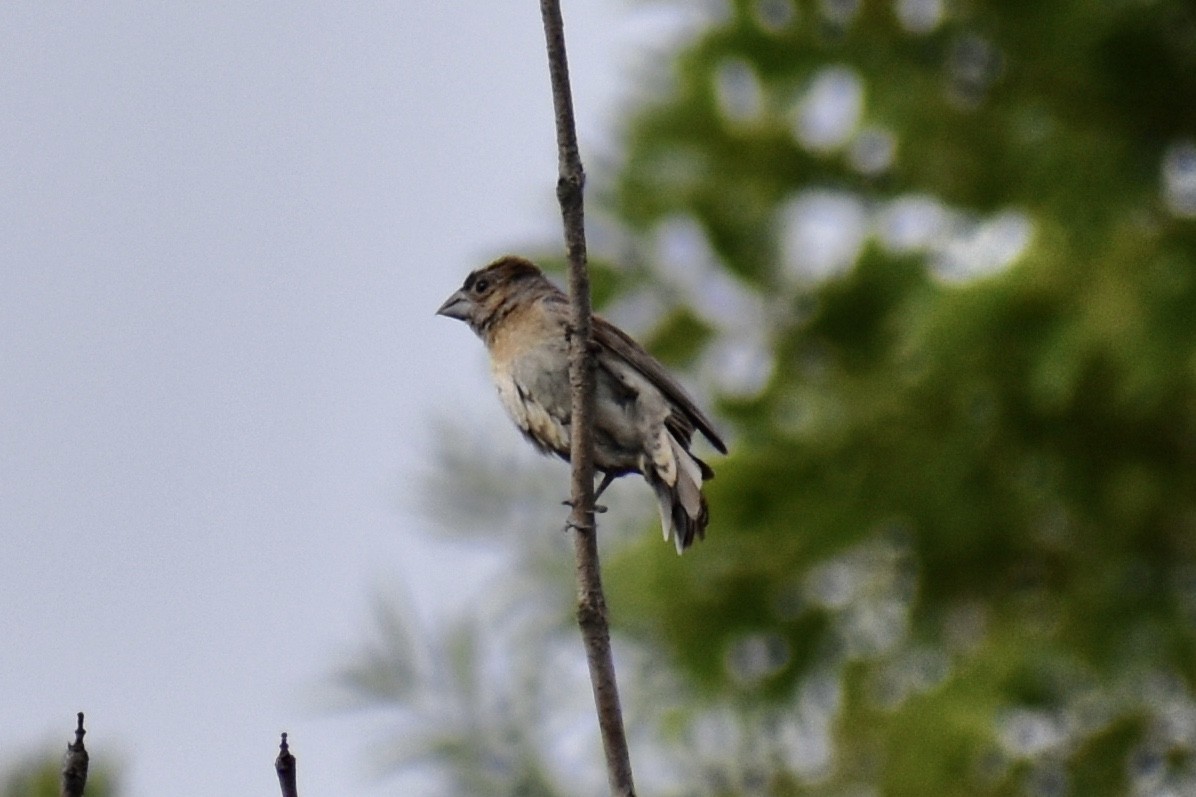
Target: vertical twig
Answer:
pixel 284 765
pixel 74 764
pixel 591 603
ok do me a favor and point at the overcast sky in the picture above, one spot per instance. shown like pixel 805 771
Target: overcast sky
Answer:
pixel 224 228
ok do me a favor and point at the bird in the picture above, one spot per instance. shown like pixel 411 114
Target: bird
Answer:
pixel 644 421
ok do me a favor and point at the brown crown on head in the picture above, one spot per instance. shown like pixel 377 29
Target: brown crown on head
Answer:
pixel 505 269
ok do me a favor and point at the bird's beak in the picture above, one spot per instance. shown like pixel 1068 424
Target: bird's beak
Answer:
pixel 456 306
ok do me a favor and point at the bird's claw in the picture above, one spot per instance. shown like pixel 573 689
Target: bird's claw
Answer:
pixel 598 508
pixel 581 527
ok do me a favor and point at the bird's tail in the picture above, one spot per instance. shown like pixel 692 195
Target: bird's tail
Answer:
pixel 676 477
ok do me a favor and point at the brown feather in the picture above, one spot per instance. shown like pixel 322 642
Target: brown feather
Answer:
pixel 619 343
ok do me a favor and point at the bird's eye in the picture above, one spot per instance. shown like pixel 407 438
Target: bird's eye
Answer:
pixel 480 286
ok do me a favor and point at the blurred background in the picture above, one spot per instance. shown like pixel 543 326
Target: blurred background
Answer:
pixel 932 264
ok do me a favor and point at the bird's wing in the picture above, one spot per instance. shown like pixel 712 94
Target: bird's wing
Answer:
pixel 619 343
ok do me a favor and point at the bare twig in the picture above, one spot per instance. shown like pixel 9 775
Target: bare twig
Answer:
pixel 74 764
pixel 591 603
pixel 284 765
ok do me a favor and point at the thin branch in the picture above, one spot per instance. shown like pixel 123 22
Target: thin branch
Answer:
pixel 74 764
pixel 591 603
pixel 284 765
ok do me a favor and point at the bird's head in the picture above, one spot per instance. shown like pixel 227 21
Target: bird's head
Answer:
pixel 491 290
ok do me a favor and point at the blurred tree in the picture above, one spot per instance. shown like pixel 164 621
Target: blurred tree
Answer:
pixel 937 263
pixel 42 777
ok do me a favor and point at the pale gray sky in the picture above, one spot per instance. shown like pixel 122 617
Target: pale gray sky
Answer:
pixel 224 228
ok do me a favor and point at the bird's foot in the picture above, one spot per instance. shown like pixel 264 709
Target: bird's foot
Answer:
pixel 598 508
pixel 584 528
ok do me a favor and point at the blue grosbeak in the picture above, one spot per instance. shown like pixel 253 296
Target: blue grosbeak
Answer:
pixel 644 421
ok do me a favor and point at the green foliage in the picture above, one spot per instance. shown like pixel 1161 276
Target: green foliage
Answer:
pixel 42 777
pixel 970 495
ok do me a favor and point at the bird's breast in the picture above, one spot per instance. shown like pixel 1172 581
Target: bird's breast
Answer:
pixel 535 416
pixel 530 366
